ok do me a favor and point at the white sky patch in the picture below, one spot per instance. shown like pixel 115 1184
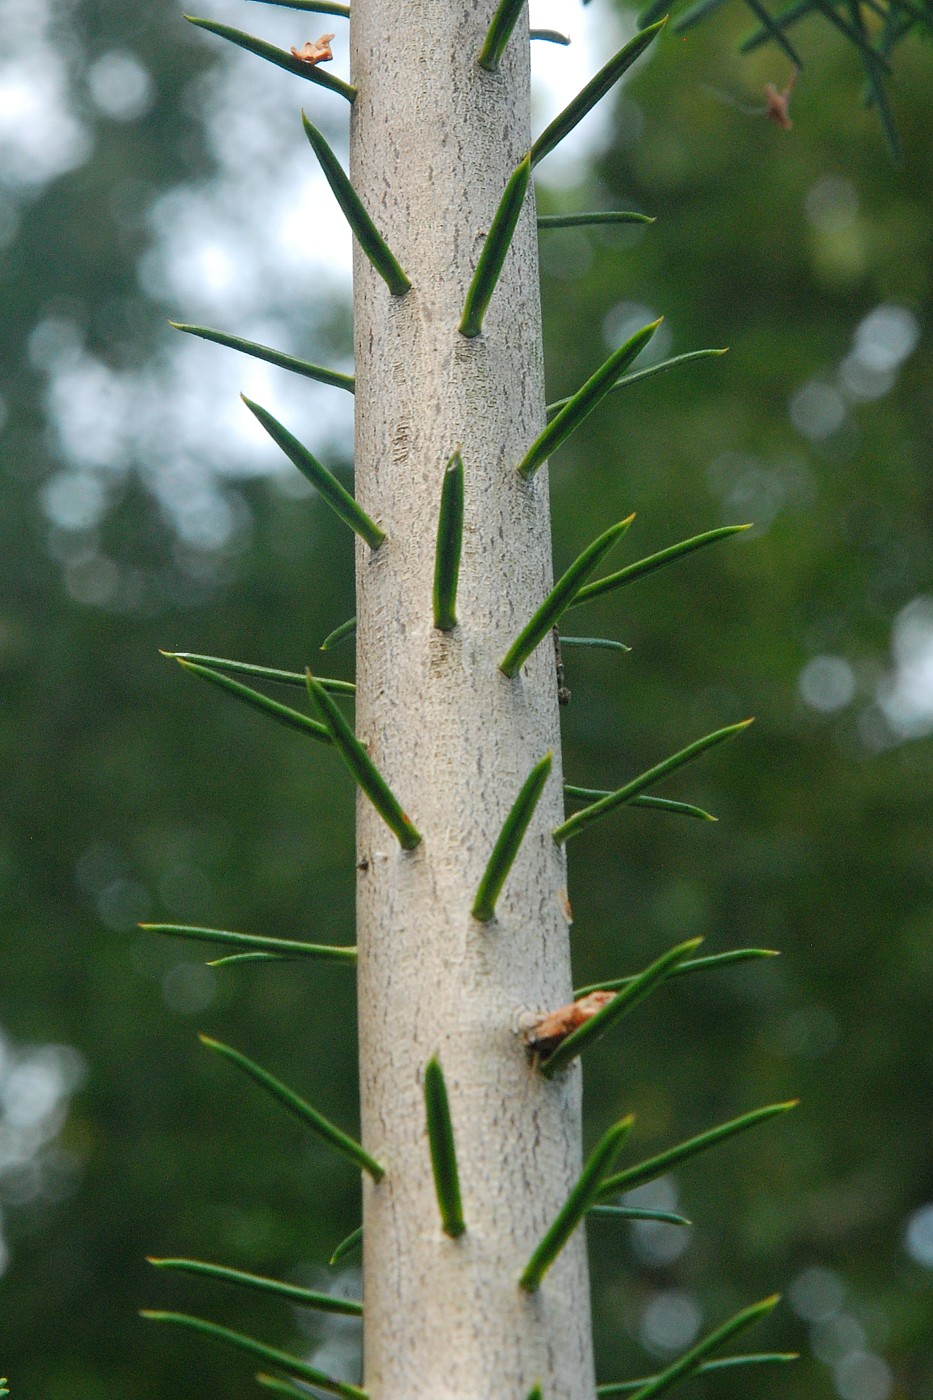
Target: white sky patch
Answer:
pixel 312 232
pixel 36 1084
pixel 265 235
pixel 181 424
pixel 670 1322
pixel 918 1235
pixel 120 86
pixel 906 695
pixel 883 340
pixel 881 343
pixel 558 73
pixel 253 251
pixel 827 684
pixel 40 137
pixel 817 410
pixel 91 405
pixel 863 1376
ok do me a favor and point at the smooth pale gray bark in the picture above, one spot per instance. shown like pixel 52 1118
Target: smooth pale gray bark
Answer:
pixel 433 140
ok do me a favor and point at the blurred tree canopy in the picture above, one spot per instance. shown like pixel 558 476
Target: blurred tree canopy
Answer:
pixel 138 514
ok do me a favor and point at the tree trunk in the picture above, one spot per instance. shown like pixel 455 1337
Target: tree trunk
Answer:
pixel 434 139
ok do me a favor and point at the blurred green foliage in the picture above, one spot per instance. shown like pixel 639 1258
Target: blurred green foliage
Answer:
pixel 133 792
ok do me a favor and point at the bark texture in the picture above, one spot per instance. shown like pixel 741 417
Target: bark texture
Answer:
pixel 434 139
